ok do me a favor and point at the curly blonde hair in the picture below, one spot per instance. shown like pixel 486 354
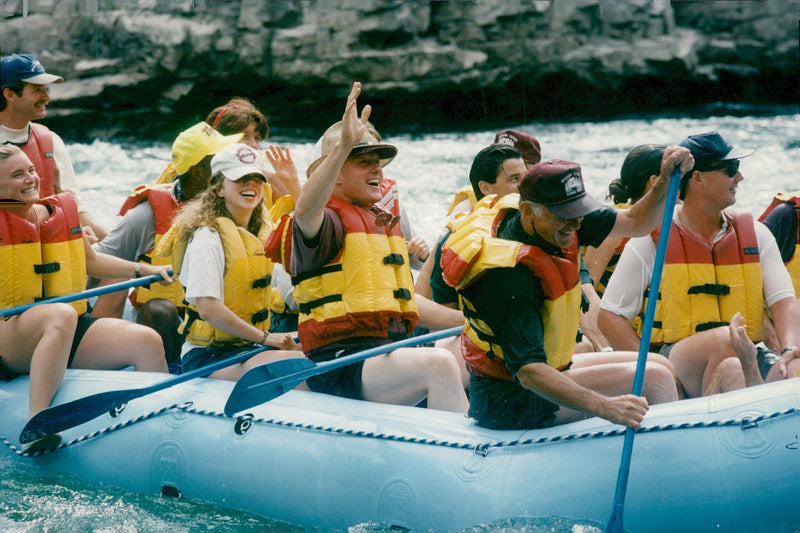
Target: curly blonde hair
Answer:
pixel 206 208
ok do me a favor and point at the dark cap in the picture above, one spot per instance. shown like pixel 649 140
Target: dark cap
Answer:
pixel 709 148
pixel 25 67
pixel 527 145
pixel 558 185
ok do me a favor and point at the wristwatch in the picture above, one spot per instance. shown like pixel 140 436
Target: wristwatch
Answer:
pixel 137 270
pixel 788 349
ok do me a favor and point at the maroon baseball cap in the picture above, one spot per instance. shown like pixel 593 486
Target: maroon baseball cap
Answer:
pixel 558 184
pixel 527 145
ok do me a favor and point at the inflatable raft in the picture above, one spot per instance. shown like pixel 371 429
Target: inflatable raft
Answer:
pixel 728 462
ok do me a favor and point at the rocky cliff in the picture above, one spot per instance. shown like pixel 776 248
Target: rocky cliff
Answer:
pixel 148 68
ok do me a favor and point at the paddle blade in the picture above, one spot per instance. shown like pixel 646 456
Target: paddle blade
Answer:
pixel 615 522
pixel 265 382
pixel 66 415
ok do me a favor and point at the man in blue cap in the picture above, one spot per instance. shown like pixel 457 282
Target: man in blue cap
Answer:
pixel 721 269
pixel 23 99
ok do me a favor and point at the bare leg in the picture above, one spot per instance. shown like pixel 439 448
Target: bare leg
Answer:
pixel 112 344
pixel 453 345
pixel 234 372
pixel 408 375
pixel 745 350
pixel 698 362
pixel 37 342
pixel 616 378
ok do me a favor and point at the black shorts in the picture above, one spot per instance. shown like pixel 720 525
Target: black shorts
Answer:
pixel 207 355
pixel 500 404
pixel 84 323
pixel 343 381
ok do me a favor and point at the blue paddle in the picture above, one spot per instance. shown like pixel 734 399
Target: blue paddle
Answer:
pixel 615 522
pixel 67 415
pixel 137 282
pixel 265 382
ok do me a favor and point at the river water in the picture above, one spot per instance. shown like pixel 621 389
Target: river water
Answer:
pixel 428 168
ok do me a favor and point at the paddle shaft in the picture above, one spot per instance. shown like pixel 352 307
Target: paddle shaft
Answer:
pixel 137 282
pixel 615 522
pixel 245 396
pixel 67 415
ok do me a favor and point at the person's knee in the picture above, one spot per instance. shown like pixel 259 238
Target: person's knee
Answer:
pixel 62 317
pixel 442 362
pixel 660 383
pixel 150 350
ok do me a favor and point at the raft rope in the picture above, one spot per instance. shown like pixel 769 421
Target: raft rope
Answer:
pixel 244 422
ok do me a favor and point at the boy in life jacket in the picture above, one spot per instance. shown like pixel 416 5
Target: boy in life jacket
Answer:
pixel 352 279
pixel 719 262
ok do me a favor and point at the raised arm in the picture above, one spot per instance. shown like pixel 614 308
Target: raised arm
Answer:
pixel 316 192
pixel 645 214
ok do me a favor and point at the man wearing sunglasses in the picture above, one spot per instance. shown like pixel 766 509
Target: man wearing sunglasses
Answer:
pixel 721 269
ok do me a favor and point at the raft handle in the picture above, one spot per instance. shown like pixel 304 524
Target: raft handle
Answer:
pixel 748 423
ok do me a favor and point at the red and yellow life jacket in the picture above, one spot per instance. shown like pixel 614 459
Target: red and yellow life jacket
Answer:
pixel 39 150
pixel 45 262
pixel 391 196
pixel 703 288
pixel 793 264
pixel 473 248
pixel 361 290
pixel 247 283
pixel 165 206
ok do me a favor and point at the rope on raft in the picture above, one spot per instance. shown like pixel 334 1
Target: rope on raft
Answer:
pixel 482 449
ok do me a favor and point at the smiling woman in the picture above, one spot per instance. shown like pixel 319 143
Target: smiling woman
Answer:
pixel 217 244
pixel 49 256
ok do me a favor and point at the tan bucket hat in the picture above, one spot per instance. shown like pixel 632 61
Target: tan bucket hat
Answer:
pixel 368 143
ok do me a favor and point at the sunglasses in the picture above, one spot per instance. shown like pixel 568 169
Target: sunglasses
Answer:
pixel 729 167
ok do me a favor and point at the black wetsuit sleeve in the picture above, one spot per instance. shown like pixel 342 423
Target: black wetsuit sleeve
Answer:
pixel 782 222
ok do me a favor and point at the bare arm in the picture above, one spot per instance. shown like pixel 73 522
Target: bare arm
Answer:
pixel 216 313
pixel 617 330
pixel 101 265
pixel 596 259
pixel 437 316
pixel 422 286
pixel 645 214
pixel 316 192
pixel 559 388
pixel 588 320
pixel 786 315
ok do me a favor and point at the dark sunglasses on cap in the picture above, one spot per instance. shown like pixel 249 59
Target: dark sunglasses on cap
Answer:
pixel 729 167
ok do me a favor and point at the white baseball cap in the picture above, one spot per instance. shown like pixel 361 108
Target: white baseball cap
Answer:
pixel 236 161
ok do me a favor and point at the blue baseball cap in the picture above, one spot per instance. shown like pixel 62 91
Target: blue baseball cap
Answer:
pixel 709 148
pixel 24 67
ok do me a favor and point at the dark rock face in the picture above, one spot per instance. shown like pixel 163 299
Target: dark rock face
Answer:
pixel 149 68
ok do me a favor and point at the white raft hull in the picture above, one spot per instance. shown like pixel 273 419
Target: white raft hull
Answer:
pixel 324 462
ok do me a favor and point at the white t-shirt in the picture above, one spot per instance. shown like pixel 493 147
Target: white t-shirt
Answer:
pixel 69 181
pixel 624 294
pixel 203 269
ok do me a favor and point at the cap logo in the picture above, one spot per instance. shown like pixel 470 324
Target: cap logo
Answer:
pixel 508 139
pixel 246 155
pixel 36 66
pixel 572 184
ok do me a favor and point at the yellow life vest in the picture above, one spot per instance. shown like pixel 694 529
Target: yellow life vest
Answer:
pixel 45 262
pixel 359 292
pixel 464 193
pixel 165 206
pixel 247 282
pixel 474 248
pixel 793 264
pixel 703 288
